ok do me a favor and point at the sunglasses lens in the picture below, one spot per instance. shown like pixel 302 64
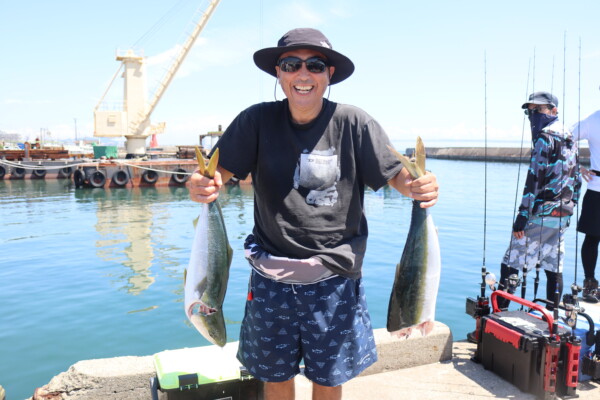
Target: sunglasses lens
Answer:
pixel 290 64
pixel 316 65
pixel 531 111
pixel 293 64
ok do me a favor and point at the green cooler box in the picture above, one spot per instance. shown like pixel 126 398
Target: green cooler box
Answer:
pixel 202 373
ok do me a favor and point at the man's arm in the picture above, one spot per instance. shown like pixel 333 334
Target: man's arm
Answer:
pixel 424 189
pixel 534 184
pixel 587 127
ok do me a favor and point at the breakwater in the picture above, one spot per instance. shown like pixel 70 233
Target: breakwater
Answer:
pixel 128 378
pixel 492 154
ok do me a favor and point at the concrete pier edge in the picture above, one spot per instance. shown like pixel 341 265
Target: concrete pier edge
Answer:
pixel 128 377
pixel 490 154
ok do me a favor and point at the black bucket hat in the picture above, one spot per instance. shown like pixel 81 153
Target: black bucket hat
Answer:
pixel 304 38
pixel 541 98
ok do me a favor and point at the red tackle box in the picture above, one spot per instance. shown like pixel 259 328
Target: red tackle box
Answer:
pixel 523 349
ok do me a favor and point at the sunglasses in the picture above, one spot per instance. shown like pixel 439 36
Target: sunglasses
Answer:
pixel 536 109
pixel 315 65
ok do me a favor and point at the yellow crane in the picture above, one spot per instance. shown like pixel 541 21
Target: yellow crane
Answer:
pixel 132 120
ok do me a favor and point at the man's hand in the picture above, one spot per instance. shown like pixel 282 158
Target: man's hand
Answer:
pixel 424 188
pixel 203 189
pixel 519 226
pixel 587 174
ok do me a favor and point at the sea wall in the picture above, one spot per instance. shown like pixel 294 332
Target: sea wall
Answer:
pixel 128 378
pixel 491 154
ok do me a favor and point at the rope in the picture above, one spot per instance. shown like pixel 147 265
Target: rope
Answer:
pixel 159 24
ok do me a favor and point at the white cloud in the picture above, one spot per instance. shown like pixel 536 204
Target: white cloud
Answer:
pixel 166 57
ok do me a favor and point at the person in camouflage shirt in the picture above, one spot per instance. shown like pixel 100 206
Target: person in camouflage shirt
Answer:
pixel 551 192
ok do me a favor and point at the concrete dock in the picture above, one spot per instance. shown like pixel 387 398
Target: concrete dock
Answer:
pixel 491 154
pixel 441 369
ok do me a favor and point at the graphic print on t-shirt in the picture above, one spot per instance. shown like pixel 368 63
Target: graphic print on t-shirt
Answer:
pixel 318 172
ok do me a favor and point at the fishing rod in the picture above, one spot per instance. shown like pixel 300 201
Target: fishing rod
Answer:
pixel 591 361
pixel 570 301
pixel 538 265
pixel 485 189
pixel 512 281
pixel 536 280
pixel 480 307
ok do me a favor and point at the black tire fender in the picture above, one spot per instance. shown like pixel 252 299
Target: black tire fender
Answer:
pixel 17 173
pixel 97 178
pixel 150 177
pixel 120 178
pixel 39 173
pixel 79 178
pixel 180 176
pixel 65 172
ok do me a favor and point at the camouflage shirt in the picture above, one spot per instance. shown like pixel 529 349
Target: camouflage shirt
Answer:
pixel 553 175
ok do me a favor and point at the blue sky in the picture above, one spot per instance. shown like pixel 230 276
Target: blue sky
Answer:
pixel 419 64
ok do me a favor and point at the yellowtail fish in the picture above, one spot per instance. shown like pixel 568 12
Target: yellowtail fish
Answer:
pixel 414 294
pixel 206 277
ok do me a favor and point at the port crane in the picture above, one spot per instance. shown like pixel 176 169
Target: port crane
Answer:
pixel 132 120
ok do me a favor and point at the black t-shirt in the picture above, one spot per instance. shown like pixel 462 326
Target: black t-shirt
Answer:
pixel 309 179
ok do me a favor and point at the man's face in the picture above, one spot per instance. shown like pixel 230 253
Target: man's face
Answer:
pixel 304 88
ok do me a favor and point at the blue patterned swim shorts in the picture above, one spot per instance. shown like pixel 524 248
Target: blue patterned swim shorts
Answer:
pixel 324 324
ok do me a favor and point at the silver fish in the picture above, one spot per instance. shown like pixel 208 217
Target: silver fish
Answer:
pixel 206 277
pixel 414 294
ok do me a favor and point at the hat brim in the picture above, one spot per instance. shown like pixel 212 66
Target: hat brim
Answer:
pixel 540 103
pixel 266 59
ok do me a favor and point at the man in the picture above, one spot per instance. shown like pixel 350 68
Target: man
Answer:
pixel 589 221
pixel 310 160
pixel 550 194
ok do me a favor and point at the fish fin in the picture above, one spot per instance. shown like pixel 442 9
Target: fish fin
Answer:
pixel 212 327
pixel 201 161
pixel 212 164
pixel 403 333
pixel 410 166
pixel 415 168
pixel 426 327
pixel 207 168
pixel 420 156
pixel 229 252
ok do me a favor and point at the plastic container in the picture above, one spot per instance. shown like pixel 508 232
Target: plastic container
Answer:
pixel 105 151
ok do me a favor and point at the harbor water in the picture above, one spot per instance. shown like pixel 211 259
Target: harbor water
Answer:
pixel 97 273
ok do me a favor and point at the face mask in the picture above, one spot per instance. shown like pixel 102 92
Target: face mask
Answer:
pixel 539 121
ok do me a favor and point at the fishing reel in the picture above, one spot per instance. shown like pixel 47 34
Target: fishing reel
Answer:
pixel 571 303
pixel 512 283
pixel 480 306
pixel 490 280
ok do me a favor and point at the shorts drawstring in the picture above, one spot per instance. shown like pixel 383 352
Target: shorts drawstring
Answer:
pixel 293 288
